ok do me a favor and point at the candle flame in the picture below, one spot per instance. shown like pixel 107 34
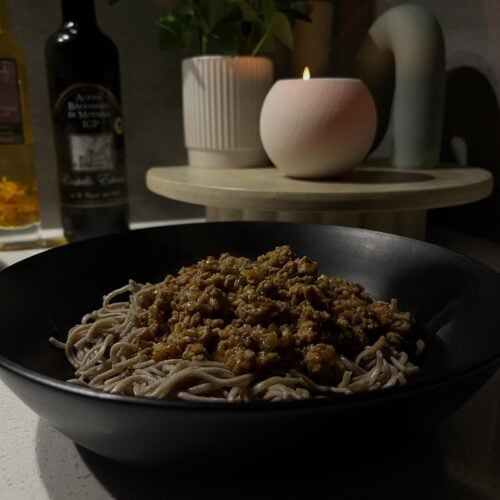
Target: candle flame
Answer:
pixel 306 75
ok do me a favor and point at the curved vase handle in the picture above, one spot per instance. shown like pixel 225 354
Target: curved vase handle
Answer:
pixel 402 61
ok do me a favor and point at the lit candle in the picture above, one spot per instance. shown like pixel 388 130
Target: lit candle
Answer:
pixel 317 127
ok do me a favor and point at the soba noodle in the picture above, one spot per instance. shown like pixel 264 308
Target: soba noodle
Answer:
pixel 105 351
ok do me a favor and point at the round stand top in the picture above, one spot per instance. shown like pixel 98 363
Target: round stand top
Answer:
pixel 366 188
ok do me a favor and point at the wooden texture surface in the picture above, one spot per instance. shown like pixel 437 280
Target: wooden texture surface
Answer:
pixel 366 189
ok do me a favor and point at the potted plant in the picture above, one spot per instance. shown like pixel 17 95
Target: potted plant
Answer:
pixel 227 72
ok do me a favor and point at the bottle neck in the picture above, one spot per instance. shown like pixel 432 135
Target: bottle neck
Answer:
pixel 80 12
pixel 4 15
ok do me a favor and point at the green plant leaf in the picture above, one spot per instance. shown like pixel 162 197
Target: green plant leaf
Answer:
pixel 221 11
pixel 201 12
pixel 175 32
pixel 230 26
pixel 248 11
pixel 280 27
pixel 268 9
pixel 268 46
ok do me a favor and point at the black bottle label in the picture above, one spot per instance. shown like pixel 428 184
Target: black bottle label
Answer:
pixel 90 147
pixel 11 118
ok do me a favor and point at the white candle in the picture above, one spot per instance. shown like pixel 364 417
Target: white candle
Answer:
pixel 318 127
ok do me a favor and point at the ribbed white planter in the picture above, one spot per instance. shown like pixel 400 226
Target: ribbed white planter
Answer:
pixel 222 100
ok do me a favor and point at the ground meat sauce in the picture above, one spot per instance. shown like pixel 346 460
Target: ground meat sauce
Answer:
pixel 274 312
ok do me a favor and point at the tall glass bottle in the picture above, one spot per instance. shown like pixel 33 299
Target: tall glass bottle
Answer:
pixel 84 86
pixel 19 207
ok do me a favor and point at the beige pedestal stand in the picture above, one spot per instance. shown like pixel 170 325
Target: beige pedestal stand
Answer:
pixel 379 198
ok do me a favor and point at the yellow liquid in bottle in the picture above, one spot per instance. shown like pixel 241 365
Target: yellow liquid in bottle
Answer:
pixel 19 205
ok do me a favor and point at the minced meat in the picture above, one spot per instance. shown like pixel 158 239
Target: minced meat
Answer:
pixel 272 313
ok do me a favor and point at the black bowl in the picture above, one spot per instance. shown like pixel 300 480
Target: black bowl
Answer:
pixel 453 298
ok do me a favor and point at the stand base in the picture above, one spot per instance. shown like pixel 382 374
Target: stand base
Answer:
pixel 410 223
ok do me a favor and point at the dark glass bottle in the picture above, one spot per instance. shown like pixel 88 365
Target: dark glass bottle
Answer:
pixel 84 86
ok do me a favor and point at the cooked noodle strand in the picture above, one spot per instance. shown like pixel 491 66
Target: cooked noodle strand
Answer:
pixel 106 351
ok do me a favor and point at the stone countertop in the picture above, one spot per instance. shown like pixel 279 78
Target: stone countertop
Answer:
pixel 458 460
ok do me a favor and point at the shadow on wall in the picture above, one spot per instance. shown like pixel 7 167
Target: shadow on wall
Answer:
pixel 471 136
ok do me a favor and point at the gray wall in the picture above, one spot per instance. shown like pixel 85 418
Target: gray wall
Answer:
pixel 152 94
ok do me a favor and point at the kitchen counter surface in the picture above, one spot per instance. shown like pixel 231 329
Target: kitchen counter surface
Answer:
pixel 458 460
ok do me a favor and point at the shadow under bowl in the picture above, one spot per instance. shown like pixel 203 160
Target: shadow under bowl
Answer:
pixel 453 298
